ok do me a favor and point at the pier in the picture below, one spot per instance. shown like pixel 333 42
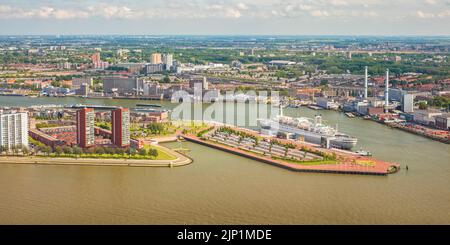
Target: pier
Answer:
pixel 346 165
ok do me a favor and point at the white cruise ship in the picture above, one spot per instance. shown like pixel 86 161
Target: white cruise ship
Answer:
pixel 310 130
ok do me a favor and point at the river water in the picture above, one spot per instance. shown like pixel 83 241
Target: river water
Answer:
pixel 220 188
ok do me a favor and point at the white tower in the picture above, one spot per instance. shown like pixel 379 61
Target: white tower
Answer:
pixel 365 84
pixel 386 92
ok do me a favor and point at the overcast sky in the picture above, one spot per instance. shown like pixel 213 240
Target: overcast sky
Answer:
pixel 273 17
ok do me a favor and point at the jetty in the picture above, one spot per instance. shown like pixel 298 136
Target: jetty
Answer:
pixel 346 162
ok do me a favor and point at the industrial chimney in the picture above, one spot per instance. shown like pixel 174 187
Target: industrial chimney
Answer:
pixel 386 92
pixel 365 85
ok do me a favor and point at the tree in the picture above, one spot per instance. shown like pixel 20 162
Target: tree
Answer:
pixel 90 150
pixel 47 150
pixel 58 150
pixel 67 150
pixel 109 150
pixel 132 151
pixel 153 152
pixel 119 151
pixel 15 150
pixel 423 105
pixel 77 150
pixel 99 150
pixel 56 83
pixel 25 150
pixel 142 152
pixel 166 79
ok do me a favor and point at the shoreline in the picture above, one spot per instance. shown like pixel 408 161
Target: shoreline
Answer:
pixel 179 161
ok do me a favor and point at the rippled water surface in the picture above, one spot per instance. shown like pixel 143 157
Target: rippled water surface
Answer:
pixel 223 188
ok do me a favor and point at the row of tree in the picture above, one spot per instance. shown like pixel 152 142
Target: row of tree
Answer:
pixel 75 150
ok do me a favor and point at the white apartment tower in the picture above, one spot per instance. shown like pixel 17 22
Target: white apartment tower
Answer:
pixel 14 130
pixel 167 60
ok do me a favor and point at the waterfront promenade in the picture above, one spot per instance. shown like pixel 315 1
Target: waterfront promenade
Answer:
pixel 180 160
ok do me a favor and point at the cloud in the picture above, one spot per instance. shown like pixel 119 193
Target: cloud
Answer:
pixel 424 15
pixel 431 2
pixel 225 9
pixel 190 9
pixel 444 14
pixel 319 13
pixel 339 3
pixel 242 6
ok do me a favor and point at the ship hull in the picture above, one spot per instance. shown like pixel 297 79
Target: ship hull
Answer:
pixel 271 129
pixel 346 145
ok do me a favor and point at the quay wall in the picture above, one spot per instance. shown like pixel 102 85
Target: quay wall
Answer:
pixel 278 163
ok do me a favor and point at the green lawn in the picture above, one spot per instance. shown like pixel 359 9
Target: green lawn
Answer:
pixel 308 163
pixel 162 155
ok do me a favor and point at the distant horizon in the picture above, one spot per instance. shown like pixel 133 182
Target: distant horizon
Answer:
pixel 236 35
pixel 226 17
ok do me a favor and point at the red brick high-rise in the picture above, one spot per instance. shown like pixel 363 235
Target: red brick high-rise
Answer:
pixel 85 127
pixel 95 58
pixel 120 119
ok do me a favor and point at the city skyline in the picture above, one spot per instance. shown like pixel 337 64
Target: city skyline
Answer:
pixel 213 17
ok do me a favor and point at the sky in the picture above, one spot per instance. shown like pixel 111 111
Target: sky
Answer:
pixel 225 17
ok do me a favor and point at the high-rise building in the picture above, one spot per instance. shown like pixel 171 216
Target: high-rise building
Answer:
pixel 120 119
pixel 153 68
pixel 122 85
pixel 200 80
pixel 14 130
pixel 408 103
pixel 83 90
pixel 156 58
pixel 95 58
pixel 78 81
pixel 152 89
pixel 167 60
pixel 97 61
pixel 85 127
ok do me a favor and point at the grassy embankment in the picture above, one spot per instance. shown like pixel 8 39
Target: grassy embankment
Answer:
pixel 162 155
pixel 327 158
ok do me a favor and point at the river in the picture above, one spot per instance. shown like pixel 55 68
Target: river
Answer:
pixel 220 188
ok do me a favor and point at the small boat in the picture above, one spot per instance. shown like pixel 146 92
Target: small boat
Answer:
pixel 149 105
pixel 367 117
pixel 361 152
pixel 314 107
pixel 349 114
